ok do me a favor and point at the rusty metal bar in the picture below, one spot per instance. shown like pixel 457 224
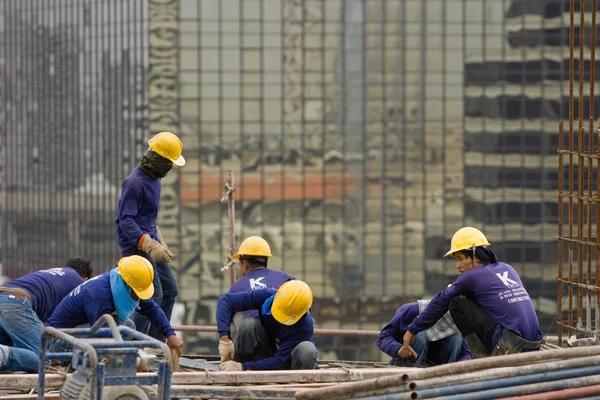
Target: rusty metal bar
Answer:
pixel 571 148
pixel 567 394
pixel 318 332
pixel 228 197
pixel 580 165
pixel 559 277
pixel 598 230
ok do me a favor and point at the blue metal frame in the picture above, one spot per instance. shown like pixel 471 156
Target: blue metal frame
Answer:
pixel 162 378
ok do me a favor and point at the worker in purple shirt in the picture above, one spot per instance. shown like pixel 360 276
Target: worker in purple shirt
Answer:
pixel 443 345
pixel 26 303
pixel 280 338
pixel 137 211
pixel 253 255
pixel 118 292
pixel 487 302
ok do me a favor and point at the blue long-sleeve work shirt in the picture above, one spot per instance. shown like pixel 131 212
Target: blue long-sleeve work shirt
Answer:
pixel 391 336
pixel 498 290
pixel 92 299
pixel 137 210
pixel 283 338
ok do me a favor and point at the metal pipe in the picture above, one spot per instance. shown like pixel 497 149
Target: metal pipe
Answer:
pixel 455 368
pixel 110 321
pixel 524 389
pixel 566 394
pixel 508 382
pixel 318 332
pixel 497 373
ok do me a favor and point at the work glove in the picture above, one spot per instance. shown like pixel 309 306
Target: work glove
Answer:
pixel 226 350
pixel 175 343
pixel 157 251
pixel 230 366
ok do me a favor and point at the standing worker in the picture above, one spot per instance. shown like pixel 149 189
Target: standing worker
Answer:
pixel 117 292
pixel 280 338
pixel 137 211
pixel 254 254
pixel 487 302
pixel 26 303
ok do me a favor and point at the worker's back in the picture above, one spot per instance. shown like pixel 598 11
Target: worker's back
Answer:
pixel 47 288
pixel 260 278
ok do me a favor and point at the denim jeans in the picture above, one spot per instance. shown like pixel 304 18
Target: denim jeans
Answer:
pixel 165 293
pixel 21 328
pixel 440 352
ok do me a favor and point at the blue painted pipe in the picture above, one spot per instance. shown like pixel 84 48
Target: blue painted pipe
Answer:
pixel 508 382
pixel 518 389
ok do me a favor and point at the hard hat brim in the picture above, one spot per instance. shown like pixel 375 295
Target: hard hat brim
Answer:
pixel 145 294
pixel 236 256
pixel 179 162
pixel 282 318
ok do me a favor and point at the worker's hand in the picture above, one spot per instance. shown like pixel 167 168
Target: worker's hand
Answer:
pixel 407 352
pixel 408 339
pixel 143 367
pixel 175 343
pixel 157 251
pixel 230 366
pixel 225 349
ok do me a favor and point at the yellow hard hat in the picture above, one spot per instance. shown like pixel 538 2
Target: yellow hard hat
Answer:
pixel 168 145
pixel 254 246
pixel 293 299
pixel 138 273
pixel 466 238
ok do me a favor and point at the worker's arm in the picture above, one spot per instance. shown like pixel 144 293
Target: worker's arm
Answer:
pixel 390 338
pixel 231 303
pixel 465 353
pixel 128 208
pixel 156 316
pixel 438 306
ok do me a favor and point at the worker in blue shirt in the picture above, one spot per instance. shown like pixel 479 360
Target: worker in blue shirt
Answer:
pixel 487 302
pixel 119 292
pixel 280 338
pixel 253 255
pixel 443 344
pixel 137 211
pixel 26 303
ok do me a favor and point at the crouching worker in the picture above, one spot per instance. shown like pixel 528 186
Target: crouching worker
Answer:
pixel 440 344
pixel 118 292
pixel 280 338
pixel 488 302
pixel 25 304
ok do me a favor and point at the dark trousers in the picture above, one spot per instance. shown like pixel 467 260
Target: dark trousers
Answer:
pixel 470 318
pixel 252 343
pixel 165 293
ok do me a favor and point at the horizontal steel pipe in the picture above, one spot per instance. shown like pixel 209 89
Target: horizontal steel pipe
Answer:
pixel 318 332
pixel 508 382
pixel 456 368
pixel 479 376
pixel 524 389
pixel 497 373
pixel 232 392
pixel 565 394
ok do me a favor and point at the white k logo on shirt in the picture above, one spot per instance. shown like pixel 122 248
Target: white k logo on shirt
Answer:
pixel 506 280
pixel 257 283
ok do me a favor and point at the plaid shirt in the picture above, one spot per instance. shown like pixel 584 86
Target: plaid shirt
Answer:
pixel 442 329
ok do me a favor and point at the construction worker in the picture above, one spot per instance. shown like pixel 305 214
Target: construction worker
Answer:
pixel 26 303
pixel 440 344
pixel 280 338
pixel 254 253
pixel 487 302
pixel 137 210
pixel 119 292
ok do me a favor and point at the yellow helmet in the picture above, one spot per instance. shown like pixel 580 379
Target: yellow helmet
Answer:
pixel 254 246
pixel 293 299
pixel 168 145
pixel 138 273
pixel 466 238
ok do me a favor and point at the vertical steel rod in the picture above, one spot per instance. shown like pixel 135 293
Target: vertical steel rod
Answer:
pixel 571 148
pixel 590 167
pixel 580 166
pixel 560 230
